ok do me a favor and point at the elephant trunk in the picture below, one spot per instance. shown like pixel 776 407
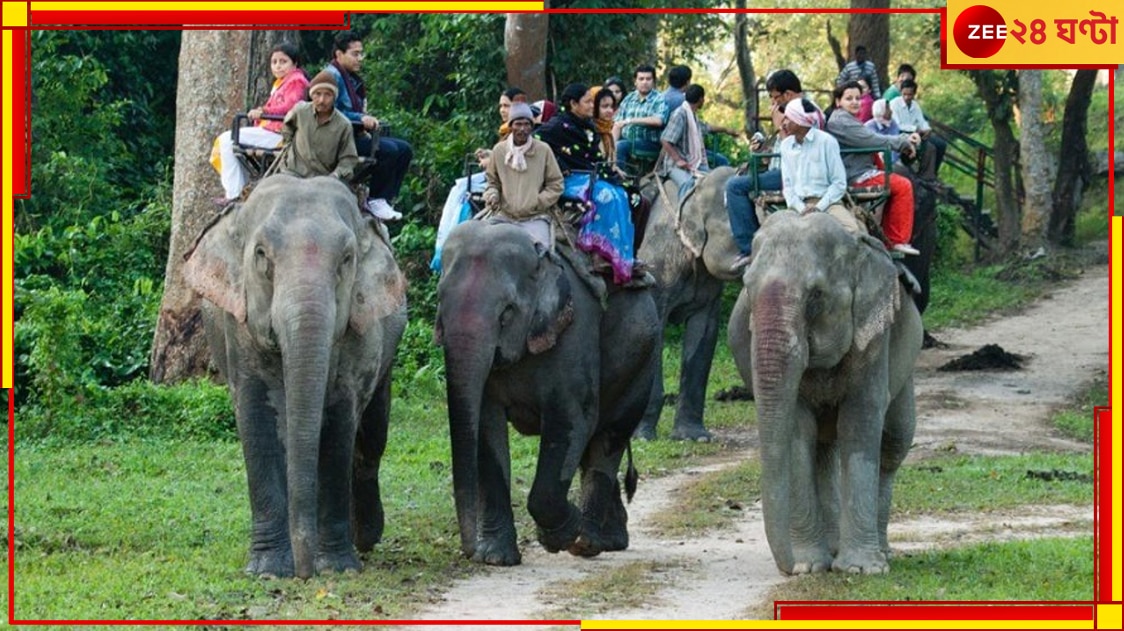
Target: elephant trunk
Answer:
pixel 469 354
pixel 305 331
pixel 779 351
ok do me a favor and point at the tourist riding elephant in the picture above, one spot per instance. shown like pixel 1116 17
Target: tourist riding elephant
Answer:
pixel 526 340
pixel 831 337
pixel 304 306
pixel 690 251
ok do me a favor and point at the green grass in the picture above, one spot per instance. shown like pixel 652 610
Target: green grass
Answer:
pixel 712 501
pixel 1044 569
pixel 1077 421
pixel 614 589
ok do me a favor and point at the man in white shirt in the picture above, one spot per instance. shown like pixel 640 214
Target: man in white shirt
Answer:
pixel 813 177
pixel 909 117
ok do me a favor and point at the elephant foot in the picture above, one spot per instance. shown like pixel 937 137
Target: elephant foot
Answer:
pixel 560 538
pixel 812 560
pixel 270 563
pixel 861 562
pixel 341 561
pixel 585 546
pixel 493 551
pixel 694 432
pixel 644 432
pixel 367 535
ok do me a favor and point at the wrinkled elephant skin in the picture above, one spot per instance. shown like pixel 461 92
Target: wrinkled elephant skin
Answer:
pixel 526 342
pixel 830 337
pixel 303 309
pixel 690 253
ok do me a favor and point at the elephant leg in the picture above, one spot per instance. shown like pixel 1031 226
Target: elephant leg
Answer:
pixel 646 430
pixel 335 550
pixel 860 433
pixel 810 551
pixel 370 443
pixel 566 430
pixel 827 490
pixel 495 536
pixel 897 437
pixel 604 518
pixel 271 552
pixel 700 336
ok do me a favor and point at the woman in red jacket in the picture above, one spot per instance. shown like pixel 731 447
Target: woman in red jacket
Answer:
pixel 290 86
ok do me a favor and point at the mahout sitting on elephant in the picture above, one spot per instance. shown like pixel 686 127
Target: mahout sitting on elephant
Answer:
pixel 830 337
pixel 303 307
pixel 528 340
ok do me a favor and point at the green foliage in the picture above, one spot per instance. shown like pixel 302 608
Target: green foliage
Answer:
pixel 1077 422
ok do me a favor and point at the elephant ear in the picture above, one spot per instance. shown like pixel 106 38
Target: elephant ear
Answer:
pixel 214 266
pixel 380 287
pixel 876 296
pixel 554 305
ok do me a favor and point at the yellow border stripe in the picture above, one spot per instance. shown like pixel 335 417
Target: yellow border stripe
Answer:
pixel 1114 397
pixel 290 6
pixel 6 368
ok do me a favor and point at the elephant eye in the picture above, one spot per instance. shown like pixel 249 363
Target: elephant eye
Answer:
pixel 507 315
pixel 261 263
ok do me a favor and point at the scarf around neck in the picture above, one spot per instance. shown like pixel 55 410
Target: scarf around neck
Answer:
pixel 356 89
pixel 516 154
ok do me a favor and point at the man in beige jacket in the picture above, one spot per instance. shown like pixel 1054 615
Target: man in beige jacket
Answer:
pixel 524 180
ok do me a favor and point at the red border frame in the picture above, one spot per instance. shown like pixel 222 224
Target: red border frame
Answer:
pixel 94 20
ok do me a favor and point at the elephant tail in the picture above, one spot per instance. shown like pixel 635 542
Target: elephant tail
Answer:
pixel 631 477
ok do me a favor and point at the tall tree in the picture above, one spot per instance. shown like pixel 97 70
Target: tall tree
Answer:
pixel 1073 170
pixel 873 31
pixel 744 57
pixel 213 71
pixel 524 39
pixel 1036 161
pixel 998 89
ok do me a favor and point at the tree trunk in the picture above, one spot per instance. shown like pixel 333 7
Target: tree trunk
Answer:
pixel 1037 163
pixel 524 39
pixel 836 47
pixel 1073 162
pixel 745 67
pixel 873 31
pixel 260 80
pixel 213 71
pixel 998 89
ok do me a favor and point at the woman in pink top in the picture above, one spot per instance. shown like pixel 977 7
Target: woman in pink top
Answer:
pixel 290 86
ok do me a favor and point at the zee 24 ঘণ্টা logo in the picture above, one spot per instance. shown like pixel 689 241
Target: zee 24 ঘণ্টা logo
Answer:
pixel 981 31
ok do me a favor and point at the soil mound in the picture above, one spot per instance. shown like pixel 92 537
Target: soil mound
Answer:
pixel 987 357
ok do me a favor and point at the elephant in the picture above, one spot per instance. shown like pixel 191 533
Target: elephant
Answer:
pixel 690 252
pixel 828 337
pixel 527 340
pixel 304 306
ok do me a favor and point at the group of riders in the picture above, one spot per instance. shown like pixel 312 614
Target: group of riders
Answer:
pixel 563 172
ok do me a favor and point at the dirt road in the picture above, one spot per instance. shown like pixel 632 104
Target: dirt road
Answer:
pixel 726 575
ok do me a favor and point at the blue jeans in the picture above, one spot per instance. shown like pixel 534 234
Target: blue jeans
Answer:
pixel 624 149
pixel 739 205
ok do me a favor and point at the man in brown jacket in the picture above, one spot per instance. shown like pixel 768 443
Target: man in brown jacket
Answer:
pixel 321 137
pixel 524 180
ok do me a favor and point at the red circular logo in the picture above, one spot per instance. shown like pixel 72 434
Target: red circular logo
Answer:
pixel 979 31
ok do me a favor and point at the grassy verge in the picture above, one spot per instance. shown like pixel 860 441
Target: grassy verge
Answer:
pixel 1077 421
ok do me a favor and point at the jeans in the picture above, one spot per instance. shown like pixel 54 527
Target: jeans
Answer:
pixel 739 205
pixel 624 149
pixel 394 156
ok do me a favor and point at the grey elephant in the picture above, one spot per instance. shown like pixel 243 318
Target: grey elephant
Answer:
pixel 526 340
pixel 831 338
pixel 690 251
pixel 304 307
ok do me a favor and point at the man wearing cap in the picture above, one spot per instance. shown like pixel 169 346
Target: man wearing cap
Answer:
pixel 524 180
pixel 319 137
pixel 394 154
pixel 812 174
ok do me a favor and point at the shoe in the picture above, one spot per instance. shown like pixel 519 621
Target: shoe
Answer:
pixel 223 202
pixel 906 248
pixel 741 262
pixel 383 210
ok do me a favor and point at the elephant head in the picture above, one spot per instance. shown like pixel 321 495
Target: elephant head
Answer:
pixel 502 298
pixel 296 267
pixel 822 301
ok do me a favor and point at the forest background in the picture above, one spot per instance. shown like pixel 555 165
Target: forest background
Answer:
pixel 92 242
